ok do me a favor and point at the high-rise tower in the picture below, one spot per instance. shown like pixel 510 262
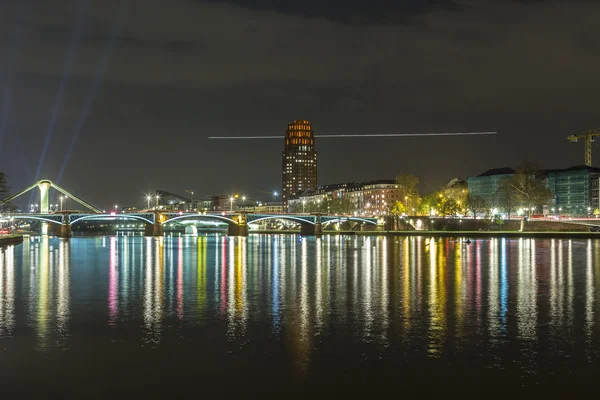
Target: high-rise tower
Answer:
pixel 299 163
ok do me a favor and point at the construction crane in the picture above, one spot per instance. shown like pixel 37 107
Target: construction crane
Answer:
pixel 590 137
pixel 191 195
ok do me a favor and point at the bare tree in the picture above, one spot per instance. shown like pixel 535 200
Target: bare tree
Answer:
pixel 529 186
pixel 477 204
pixel 409 190
pixel 507 198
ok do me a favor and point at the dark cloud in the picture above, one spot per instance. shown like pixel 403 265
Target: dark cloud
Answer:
pixel 353 11
pixel 184 70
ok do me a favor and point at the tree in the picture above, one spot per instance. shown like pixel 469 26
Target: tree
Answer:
pixel 428 203
pixel 338 206
pixel 4 193
pixel 597 212
pixel 408 189
pixel 529 186
pixel 476 204
pixel 447 206
pixel 398 208
pixel 507 198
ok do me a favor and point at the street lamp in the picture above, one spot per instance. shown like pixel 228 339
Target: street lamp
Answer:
pixel 116 209
pixel 303 204
pixel 244 200
pixel 231 203
pixel 61 201
pixel 157 197
pixel 148 198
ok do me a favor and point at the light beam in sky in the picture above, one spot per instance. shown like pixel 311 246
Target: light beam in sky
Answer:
pixel 89 100
pixel 72 52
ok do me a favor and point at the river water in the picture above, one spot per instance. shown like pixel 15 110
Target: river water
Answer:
pixel 269 314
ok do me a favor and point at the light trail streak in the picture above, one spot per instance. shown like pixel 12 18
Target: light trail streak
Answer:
pixel 370 135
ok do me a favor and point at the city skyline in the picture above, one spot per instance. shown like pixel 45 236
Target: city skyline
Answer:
pixel 135 89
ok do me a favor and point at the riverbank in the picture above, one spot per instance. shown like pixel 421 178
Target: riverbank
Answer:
pixel 16 239
pixel 489 234
pixel 467 234
pixel 10 239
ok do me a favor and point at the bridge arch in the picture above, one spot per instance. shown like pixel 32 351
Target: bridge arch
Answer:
pixel 36 218
pixel 354 219
pixel 226 220
pixel 302 221
pixel 102 217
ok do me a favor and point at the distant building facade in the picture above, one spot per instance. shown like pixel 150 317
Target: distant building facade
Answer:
pixel 270 207
pixel 490 183
pixel 575 190
pixel 299 160
pixel 167 201
pixel 375 197
pixel 365 198
pixel 456 189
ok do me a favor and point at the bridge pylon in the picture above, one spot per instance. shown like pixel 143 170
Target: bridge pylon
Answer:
pixel 44 187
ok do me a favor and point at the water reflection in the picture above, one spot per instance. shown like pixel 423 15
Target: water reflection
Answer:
pixel 201 272
pixel 44 282
pixel 153 291
pixel 426 297
pixel 237 309
pixel 7 291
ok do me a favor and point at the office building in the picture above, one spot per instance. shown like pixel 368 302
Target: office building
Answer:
pixel 487 185
pixel 299 160
pixel 575 190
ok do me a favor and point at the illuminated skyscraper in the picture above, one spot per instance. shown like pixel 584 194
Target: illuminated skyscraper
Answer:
pixel 299 162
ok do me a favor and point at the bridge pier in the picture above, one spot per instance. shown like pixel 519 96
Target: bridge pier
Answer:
pixel 318 229
pixel 64 231
pixel 240 228
pixel 383 224
pixel 237 230
pixel 153 230
pixel 156 229
pixel 311 230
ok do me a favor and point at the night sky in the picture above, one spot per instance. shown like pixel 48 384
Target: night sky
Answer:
pixel 146 82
